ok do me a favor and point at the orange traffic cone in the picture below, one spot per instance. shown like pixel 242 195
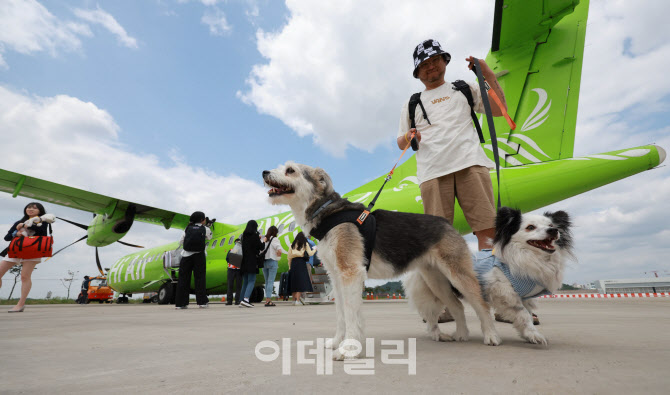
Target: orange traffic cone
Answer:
pixel 224 298
pixel 394 295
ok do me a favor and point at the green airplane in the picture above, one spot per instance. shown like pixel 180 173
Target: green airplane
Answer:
pixel 537 53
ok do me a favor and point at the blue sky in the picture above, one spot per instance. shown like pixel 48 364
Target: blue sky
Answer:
pixel 181 104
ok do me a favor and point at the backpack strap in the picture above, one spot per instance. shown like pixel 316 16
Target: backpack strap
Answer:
pixel 464 88
pixel 411 107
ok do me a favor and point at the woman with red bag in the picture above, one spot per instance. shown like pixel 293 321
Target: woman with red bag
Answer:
pixel 33 223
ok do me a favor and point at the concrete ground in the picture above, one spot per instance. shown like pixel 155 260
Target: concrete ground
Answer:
pixel 595 346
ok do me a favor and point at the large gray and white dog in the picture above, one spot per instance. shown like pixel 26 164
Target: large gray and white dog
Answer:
pixel 425 244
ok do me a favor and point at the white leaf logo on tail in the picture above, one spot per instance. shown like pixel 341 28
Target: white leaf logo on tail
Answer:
pixel 539 115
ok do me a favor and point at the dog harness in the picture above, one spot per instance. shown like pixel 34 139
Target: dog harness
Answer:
pixel 368 228
pixel 485 261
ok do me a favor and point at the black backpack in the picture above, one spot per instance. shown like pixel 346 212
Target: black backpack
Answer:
pixel 195 238
pixel 458 85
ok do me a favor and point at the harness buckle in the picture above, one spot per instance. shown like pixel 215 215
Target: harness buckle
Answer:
pixel 361 218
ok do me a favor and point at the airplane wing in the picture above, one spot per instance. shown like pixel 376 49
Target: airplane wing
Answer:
pixel 22 185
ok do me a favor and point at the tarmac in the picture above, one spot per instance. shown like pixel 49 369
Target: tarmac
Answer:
pixel 612 346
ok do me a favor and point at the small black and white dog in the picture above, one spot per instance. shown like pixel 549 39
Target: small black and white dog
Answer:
pixel 529 255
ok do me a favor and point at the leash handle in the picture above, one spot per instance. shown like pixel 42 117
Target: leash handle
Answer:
pixel 495 98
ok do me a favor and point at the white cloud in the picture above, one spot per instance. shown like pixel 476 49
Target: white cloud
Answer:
pixel 103 18
pixel 339 68
pixel 28 27
pixel 216 21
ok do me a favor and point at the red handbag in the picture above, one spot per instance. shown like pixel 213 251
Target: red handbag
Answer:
pixel 31 247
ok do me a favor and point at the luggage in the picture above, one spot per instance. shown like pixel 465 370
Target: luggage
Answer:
pixel 283 285
pixel 31 247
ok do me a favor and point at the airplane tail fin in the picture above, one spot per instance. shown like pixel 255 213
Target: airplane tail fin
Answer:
pixel 536 52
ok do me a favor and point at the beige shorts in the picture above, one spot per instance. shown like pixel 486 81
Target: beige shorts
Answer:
pixel 474 191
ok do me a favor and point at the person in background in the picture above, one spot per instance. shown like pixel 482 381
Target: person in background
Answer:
pixel 298 255
pixel 251 246
pixel 194 261
pixel 234 259
pixel 83 295
pixel 33 223
pixel 310 261
pixel 272 255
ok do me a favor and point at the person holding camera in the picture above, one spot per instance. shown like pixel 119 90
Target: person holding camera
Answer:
pixel 194 261
pixel 451 163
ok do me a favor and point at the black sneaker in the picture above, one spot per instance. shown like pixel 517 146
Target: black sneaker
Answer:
pixel 244 303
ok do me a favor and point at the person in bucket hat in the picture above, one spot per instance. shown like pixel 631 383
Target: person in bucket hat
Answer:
pixel 451 164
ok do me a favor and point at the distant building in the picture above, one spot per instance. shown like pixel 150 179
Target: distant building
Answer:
pixel 633 285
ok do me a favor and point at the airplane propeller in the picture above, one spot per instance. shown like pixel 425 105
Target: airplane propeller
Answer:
pixel 97 256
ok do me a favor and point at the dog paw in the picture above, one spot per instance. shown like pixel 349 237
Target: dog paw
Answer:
pixel 492 339
pixel 536 338
pixel 441 337
pixel 333 342
pixel 346 353
pixel 461 335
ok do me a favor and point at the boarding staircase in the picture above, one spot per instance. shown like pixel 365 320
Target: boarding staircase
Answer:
pixel 323 289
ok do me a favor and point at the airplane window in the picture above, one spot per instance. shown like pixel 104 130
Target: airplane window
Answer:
pixel 214 243
pixel 281 227
pixel 223 241
pixel 291 226
pixel 232 240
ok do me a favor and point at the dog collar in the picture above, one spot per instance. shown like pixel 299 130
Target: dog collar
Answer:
pixel 318 210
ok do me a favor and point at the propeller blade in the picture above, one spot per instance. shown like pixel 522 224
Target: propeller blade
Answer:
pixel 97 260
pixel 74 223
pixel 54 254
pixel 128 244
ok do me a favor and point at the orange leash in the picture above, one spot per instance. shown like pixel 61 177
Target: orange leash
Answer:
pixel 366 212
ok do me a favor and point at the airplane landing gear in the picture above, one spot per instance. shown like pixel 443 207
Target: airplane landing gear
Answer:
pixel 123 299
pixel 167 293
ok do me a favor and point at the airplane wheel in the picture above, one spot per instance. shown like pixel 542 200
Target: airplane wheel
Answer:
pixel 166 294
pixel 154 299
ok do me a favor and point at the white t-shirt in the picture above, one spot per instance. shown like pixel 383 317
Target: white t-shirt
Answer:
pixel 274 250
pixel 450 143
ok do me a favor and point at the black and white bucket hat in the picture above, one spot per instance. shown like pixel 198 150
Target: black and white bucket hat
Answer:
pixel 426 50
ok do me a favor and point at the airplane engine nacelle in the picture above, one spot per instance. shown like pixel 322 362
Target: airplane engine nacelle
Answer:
pixel 105 229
